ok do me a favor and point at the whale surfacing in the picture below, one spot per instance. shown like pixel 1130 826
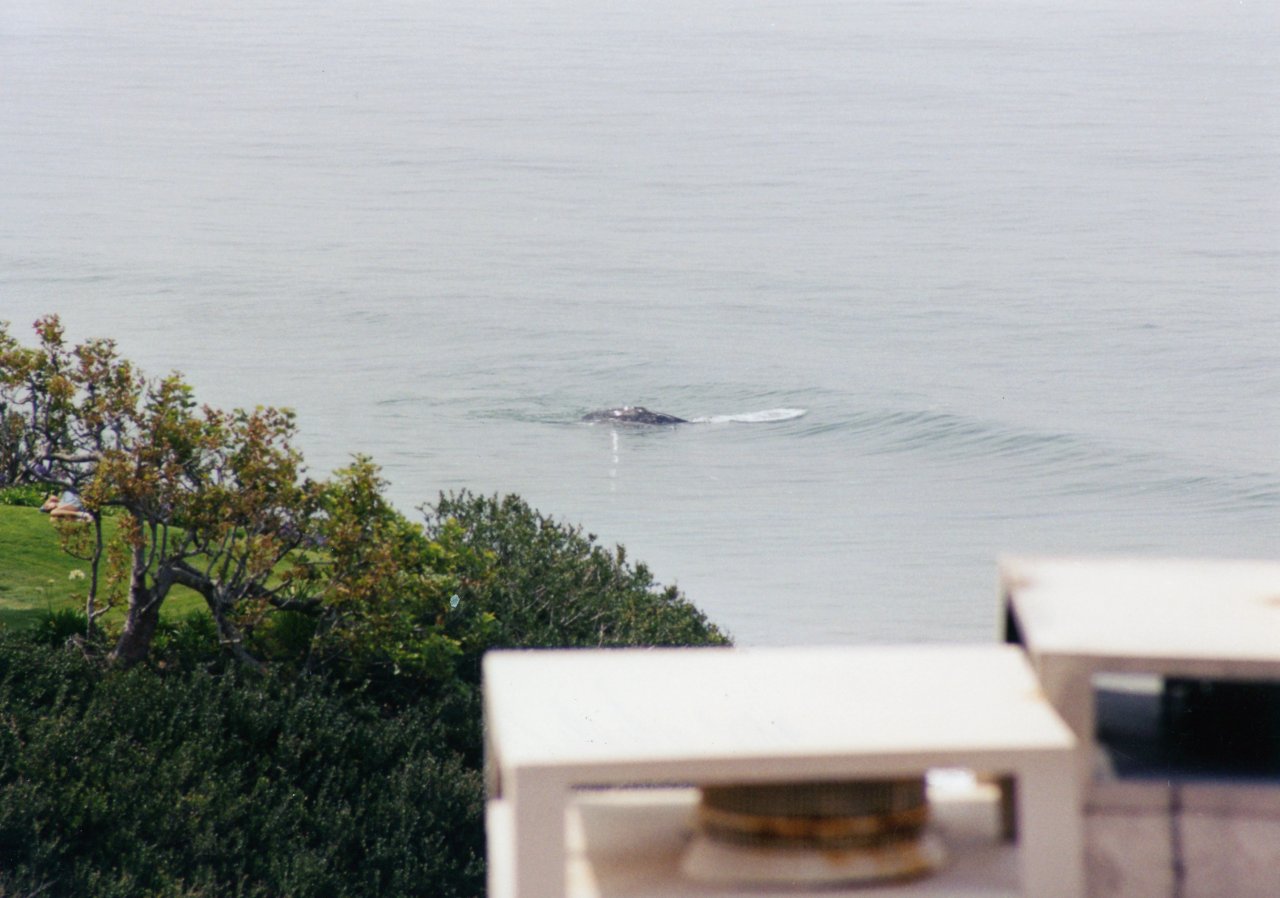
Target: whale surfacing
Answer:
pixel 632 414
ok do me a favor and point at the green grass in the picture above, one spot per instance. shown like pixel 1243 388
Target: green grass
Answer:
pixel 36 575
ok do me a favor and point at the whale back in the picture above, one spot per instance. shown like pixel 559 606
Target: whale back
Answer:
pixel 632 414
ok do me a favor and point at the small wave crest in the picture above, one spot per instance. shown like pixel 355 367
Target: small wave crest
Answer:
pixel 764 416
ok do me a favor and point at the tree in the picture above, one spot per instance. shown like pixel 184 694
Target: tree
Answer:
pixel 51 431
pixel 211 500
pixel 218 502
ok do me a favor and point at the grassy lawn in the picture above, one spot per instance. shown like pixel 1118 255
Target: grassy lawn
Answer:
pixel 36 575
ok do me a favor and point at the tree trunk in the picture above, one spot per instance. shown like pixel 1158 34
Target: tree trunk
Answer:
pixel 142 616
pixel 91 610
pixel 230 637
pixel 140 623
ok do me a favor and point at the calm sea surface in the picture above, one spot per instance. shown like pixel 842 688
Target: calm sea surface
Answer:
pixel 1019 261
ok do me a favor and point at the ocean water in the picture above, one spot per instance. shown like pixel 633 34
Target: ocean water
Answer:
pixel 1017 261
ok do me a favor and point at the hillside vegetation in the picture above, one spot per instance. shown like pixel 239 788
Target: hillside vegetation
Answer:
pixel 230 679
pixel 193 775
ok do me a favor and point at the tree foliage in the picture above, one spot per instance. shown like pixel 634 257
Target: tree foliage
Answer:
pixel 389 589
pixel 209 499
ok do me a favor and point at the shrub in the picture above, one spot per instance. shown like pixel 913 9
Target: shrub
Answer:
pixel 30 495
pixel 56 625
pixel 547 584
pixel 123 783
pixel 188 643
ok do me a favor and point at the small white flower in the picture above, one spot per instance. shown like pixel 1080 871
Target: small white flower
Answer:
pixel 77 574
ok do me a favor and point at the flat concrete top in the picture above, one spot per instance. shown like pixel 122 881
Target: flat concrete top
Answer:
pixel 1164 610
pixel 636 706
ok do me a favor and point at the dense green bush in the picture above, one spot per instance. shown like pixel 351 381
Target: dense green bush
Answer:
pixel 55 626
pixel 549 584
pixel 126 783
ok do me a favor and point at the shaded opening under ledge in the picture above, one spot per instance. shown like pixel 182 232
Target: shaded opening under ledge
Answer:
pixel 1179 728
pixel 635 841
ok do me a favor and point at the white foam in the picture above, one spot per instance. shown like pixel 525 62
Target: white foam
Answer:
pixel 761 417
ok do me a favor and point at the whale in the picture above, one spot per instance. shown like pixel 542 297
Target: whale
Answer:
pixel 639 415
pixel 632 414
